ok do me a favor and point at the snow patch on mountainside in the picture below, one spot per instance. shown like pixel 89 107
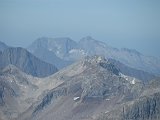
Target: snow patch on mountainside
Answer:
pixel 79 51
pixel 132 80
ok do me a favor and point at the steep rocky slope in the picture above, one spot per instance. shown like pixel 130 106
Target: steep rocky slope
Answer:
pixel 146 107
pixel 18 91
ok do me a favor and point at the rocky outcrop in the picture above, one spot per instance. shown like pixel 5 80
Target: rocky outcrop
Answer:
pixel 146 108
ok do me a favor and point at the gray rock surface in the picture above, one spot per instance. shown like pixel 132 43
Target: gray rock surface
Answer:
pixel 18 91
pixel 146 107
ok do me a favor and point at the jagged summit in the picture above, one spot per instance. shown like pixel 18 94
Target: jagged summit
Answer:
pixel 95 59
pixel 100 62
pixel 87 38
pixel 50 40
pixel 89 41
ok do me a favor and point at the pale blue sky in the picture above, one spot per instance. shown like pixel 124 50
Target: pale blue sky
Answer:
pixel 120 23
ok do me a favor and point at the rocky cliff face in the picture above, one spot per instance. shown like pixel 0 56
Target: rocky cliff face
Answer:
pixel 146 107
pixel 27 62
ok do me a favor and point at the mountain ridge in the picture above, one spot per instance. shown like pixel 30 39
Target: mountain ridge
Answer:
pixel 93 79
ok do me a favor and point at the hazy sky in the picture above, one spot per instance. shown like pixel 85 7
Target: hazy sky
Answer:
pixel 120 23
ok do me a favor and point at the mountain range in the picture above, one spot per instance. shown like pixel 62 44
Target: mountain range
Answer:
pixel 93 81
pixel 91 89
pixel 94 89
pixel 66 51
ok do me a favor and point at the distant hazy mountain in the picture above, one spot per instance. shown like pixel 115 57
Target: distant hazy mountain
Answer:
pixel 128 57
pixel 27 62
pixel 53 50
pixel 3 46
pixel 66 50
pixel 60 46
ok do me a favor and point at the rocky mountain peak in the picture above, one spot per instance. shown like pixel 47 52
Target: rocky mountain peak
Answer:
pixel 87 39
pixel 95 59
pixel 100 62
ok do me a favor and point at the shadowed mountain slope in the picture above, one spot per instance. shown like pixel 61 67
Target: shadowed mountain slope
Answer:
pixel 25 61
